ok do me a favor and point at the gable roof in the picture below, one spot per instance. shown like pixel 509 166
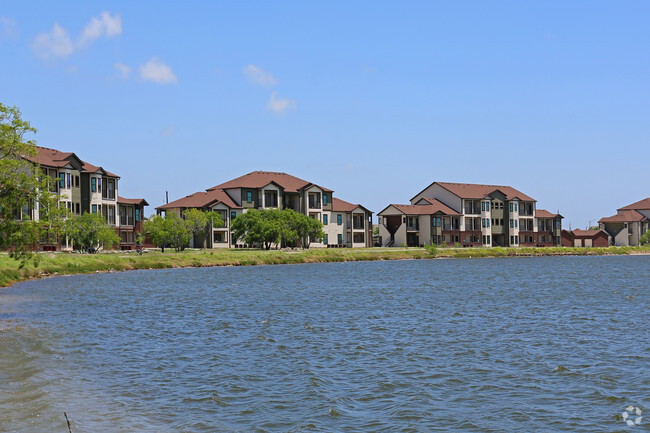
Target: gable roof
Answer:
pixel 259 179
pixel 433 207
pixel 478 191
pixel 639 205
pixel 623 217
pixel 339 205
pixel 588 233
pixel 55 158
pixel 201 199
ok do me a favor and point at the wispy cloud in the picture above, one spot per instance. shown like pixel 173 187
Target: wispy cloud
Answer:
pixel 106 25
pixel 8 28
pixel 123 70
pixel 259 76
pixel 280 105
pixel 57 42
pixel 158 72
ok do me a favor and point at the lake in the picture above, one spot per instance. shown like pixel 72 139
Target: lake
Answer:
pixel 476 345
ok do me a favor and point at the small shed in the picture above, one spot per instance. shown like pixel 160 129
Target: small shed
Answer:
pixel 585 238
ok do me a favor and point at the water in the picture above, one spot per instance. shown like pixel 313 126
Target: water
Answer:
pixel 486 345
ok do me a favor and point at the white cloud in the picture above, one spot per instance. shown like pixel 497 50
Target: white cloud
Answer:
pixel 123 70
pixel 106 25
pixel 259 76
pixel 56 43
pixel 8 28
pixel 280 106
pixel 155 70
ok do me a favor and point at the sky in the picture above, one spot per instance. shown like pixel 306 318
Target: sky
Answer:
pixel 374 100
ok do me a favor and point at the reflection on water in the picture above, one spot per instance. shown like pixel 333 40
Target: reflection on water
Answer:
pixel 534 344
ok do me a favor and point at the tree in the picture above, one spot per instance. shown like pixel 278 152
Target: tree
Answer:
pixel 168 230
pixel 90 232
pixel 28 210
pixel 645 238
pixel 201 223
pixel 305 227
pixel 262 227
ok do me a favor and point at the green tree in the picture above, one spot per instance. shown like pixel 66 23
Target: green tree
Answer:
pixel 168 230
pixel 262 227
pixel 28 210
pixel 156 228
pixel 305 227
pixel 201 223
pixel 645 238
pixel 90 231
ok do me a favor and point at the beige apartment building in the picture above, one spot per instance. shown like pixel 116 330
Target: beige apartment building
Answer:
pixel 629 224
pixel 83 187
pixel 469 215
pixel 344 224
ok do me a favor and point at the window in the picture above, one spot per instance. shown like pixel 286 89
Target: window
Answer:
pixel 324 219
pixel 483 206
pixel 487 220
pixel 137 214
pixel 76 181
pixel 483 221
pixel 324 199
pixel 358 238
pixel 516 239
pixel 68 180
pixel 512 224
pixel 94 208
pixel 99 184
pixel 93 184
pixel 233 215
pixel 325 239
pixel 515 207
pixel 516 223
pixel 510 207
pixel 249 196
pixel 339 220
pixel 76 205
pixel 340 238
pixel 62 180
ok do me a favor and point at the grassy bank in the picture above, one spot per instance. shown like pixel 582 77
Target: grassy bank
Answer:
pixel 64 263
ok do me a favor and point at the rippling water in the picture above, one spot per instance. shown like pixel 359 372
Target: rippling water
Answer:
pixel 487 345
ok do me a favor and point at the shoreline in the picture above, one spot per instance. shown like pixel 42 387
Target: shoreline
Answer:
pixel 58 264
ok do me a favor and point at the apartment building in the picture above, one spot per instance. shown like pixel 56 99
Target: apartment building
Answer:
pixel 345 224
pixel 629 224
pixel 84 187
pixel 469 215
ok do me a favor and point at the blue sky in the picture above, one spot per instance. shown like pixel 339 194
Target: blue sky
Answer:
pixel 374 100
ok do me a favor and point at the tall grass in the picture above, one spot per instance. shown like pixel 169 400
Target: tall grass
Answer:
pixel 66 263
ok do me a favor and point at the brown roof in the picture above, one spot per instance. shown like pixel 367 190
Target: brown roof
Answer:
pixel 543 213
pixel 139 201
pixel 339 205
pixel 55 158
pixel 587 233
pixel 88 167
pixel 259 179
pixel 642 204
pixel 202 199
pixel 51 157
pixel 623 217
pixel 477 191
pixel 435 206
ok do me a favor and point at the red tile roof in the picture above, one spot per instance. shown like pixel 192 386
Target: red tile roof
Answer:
pixel 639 205
pixel 477 191
pixel 134 201
pixel 435 206
pixel 201 199
pixel 623 217
pixel 259 179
